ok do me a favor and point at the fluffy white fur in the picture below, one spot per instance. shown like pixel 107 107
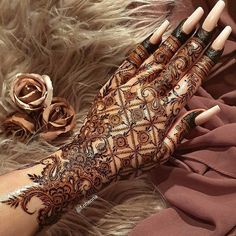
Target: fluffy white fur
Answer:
pixel 77 43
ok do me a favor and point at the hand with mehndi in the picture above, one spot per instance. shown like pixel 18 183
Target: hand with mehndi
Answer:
pixel 133 125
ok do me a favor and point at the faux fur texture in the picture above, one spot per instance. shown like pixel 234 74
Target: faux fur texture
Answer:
pixel 77 43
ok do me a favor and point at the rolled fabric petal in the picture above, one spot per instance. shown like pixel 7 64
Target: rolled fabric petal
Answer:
pixel 20 125
pixel 57 118
pixel 31 91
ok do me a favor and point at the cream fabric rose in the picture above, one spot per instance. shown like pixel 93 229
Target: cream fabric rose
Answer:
pixel 20 125
pixel 57 118
pixel 31 91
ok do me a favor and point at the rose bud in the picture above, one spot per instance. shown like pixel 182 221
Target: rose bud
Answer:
pixel 20 125
pixel 31 91
pixel 57 118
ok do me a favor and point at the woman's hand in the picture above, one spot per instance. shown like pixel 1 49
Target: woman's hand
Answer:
pixel 132 125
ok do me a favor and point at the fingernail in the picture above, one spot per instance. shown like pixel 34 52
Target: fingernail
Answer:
pixel 192 20
pixel 157 35
pixel 219 42
pixel 211 20
pixel 206 115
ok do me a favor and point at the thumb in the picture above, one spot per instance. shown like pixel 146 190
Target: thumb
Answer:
pixel 184 125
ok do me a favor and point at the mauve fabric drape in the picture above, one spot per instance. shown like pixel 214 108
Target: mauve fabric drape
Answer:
pixel 199 181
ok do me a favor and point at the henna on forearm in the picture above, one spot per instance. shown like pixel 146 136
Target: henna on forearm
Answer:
pixel 67 177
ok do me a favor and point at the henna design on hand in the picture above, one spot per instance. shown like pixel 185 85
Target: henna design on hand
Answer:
pixel 123 134
pixel 155 63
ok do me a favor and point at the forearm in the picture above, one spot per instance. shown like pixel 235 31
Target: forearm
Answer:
pixel 38 195
pixel 14 219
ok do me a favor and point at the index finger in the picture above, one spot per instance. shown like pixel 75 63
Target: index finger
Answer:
pixel 134 59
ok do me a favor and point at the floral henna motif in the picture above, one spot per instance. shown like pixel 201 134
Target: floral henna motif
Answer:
pixel 53 189
pixel 65 180
pixel 109 147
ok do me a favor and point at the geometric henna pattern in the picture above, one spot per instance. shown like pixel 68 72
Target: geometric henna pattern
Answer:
pixel 122 135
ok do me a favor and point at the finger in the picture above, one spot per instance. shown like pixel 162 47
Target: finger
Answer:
pixel 134 59
pixel 189 54
pixel 183 126
pixel 153 65
pixel 188 85
pixel 168 48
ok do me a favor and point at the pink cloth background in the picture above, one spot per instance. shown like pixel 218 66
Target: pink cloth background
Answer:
pixel 199 181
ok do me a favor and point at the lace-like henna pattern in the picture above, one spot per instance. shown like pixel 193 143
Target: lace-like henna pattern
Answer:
pixel 182 62
pixel 122 137
pixel 151 68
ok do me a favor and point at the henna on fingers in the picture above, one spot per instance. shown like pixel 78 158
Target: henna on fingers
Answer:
pixel 188 85
pixel 188 55
pixel 134 59
pixel 152 66
pixel 183 126
pixel 149 45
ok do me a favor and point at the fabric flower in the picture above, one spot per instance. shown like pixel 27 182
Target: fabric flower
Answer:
pixel 31 91
pixel 20 125
pixel 57 118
